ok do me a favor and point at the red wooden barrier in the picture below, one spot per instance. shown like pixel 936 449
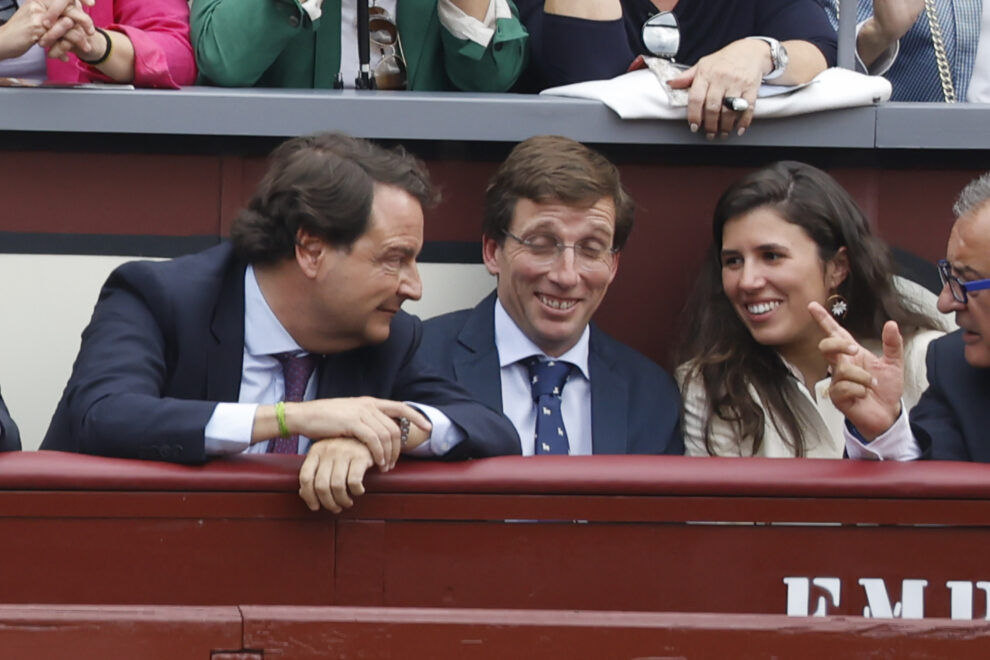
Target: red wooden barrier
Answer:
pixel 642 533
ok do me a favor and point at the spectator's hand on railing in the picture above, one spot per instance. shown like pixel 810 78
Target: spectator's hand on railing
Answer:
pixel 736 70
pixel 866 388
pixel 332 474
pixel 69 27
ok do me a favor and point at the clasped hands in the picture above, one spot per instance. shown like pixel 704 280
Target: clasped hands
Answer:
pixel 58 26
pixel 866 388
pixel 356 434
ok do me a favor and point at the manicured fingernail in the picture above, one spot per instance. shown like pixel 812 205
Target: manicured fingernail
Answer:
pixel 741 131
pixel 694 128
pixel 874 382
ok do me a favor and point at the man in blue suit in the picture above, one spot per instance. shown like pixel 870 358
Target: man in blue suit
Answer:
pixel 289 339
pixel 556 217
pixel 951 419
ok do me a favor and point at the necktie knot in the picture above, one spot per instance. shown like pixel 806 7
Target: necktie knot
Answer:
pixel 547 377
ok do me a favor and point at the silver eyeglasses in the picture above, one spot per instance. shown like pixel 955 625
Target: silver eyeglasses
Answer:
pixel 545 249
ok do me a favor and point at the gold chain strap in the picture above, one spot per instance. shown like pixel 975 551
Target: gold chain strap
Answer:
pixel 941 59
pixel 944 73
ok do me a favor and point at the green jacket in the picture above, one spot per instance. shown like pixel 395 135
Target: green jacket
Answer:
pixel 273 43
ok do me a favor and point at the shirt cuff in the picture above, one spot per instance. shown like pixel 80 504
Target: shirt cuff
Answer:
pixel 895 444
pixel 445 435
pixel 229 429
pixel 467 27
pixel 883 63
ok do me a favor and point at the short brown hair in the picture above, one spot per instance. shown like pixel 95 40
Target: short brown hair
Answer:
pixel 551 168
pixel 322 183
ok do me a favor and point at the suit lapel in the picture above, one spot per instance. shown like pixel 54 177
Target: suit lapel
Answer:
pixel 609 399
pixel 225 358
pixel 476 365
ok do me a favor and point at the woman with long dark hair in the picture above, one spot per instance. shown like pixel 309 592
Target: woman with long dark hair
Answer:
pixel 753 380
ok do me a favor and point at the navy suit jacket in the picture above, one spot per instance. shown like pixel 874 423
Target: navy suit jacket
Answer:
pixel 635 405
pixel 952 419
pixel 166 343
pixel 11 437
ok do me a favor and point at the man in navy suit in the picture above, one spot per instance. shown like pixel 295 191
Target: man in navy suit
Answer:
pixel 556 217
pixel 10 437
pixel 292 333
pixel 950 421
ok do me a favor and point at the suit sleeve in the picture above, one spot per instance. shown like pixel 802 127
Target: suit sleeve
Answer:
pixel 10 437
pixel 488 433
pixel 933 420
pixel 113 404
pixel 495 67
pixel 236 41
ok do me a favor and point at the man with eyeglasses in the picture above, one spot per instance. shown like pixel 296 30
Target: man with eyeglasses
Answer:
pixel 555 219
pixel 950 421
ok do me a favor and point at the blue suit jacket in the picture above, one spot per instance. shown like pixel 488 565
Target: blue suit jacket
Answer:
pixel 952 418
pixel 635 405
pixel 11 437
pixel 166 343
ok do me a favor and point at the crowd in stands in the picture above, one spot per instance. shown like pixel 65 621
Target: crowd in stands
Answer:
pixel 938 52
pixel 799 341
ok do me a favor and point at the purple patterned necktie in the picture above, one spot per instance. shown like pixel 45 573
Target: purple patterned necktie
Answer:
pixel 296 369
pixel 547 378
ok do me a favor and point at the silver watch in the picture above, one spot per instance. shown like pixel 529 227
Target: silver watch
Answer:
pixel 778 57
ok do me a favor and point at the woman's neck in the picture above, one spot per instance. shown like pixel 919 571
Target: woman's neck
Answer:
pixel 809 362
pixel 665 5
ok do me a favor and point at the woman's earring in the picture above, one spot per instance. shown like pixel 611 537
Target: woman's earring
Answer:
pixel 838 306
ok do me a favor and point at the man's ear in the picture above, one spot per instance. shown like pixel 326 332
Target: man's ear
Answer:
pixel 489 252
pixel 310 252
pixel 837 269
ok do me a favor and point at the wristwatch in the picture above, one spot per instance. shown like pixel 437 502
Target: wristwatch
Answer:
pixel 778 57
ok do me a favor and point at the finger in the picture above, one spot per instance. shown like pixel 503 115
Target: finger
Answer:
pixel 727 118
pixel 835 347
pixel 77 39
pixel 696 104
pixel 60 50
pixel 746 119
pixel 355 476
pixel 81 19
pixel 55 9
pixel 893 343
pixel 846 393
pixel 852 373
pixel 684 80
pixel 397 409
pixel 827 322
pixel 307 476
pixel 713 110
pixel 336 496
pixel 56 32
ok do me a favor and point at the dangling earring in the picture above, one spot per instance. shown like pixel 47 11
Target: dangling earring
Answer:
pixel 838 306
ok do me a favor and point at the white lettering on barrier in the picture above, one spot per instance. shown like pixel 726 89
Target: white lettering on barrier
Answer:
pixel 911 604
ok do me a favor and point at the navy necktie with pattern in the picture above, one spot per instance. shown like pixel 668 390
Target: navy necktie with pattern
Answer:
pixel 296 369
pixel 547 378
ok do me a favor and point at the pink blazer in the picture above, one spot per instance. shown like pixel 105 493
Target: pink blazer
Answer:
pixel 159 30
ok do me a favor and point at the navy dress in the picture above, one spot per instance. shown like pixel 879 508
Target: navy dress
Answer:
pixel 566 50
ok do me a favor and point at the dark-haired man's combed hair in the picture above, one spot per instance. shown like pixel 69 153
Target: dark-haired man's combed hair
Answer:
pixel 550 168
pixel 721 348
pixel 323 184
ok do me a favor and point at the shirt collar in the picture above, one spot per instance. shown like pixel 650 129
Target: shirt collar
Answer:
pixel 513 345
pixel 264 334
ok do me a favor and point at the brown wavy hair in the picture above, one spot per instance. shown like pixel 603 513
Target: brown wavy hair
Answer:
pixel 721 349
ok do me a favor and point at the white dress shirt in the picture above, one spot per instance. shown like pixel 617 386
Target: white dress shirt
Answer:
pixel 229 429
pixel 979 83
pixel 517 395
